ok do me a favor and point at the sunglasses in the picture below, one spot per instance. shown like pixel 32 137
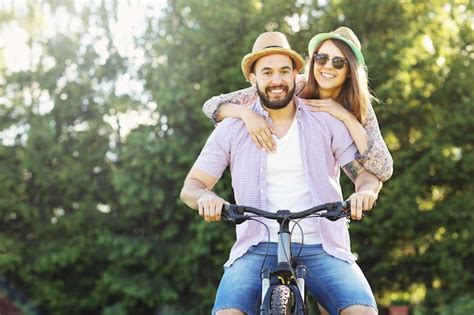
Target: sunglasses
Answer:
pixel 337 62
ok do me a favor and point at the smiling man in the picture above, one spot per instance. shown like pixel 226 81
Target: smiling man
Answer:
pixel 302 173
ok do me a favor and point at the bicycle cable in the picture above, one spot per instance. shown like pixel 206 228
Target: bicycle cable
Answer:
pixel 297 223
pixel 268 240
pixel 286 254
pixel 302 234
pixel 308 273
pixel 268 244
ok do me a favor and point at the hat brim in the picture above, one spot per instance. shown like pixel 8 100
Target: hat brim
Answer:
pixel 251 58
pixel 319 38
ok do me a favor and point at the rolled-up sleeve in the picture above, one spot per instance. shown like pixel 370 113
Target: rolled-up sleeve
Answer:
pixel 343 146
pixel 215 155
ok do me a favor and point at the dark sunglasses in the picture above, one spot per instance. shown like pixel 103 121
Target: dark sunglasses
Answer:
pixel 337 62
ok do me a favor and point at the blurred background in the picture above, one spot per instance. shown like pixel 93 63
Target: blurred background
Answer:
pixel 100 120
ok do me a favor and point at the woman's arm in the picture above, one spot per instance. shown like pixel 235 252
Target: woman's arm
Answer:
pixel 228 105
pixel 376 159
pixel 237 105
pixel 375 156
pixel 357 131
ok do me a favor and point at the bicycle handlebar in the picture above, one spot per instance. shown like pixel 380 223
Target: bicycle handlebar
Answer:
pixel 334 211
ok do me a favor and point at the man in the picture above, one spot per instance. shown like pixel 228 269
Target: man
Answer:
pixel 304 172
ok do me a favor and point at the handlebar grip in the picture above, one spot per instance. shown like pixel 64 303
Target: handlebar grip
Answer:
pixel 225 214
pixel 337 210
pixel 232 213
pixel 346 204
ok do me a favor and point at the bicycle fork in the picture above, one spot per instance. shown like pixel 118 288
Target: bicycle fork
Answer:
pixel 300 281
pixel 297 288
pixel 265 283
pixel 284 275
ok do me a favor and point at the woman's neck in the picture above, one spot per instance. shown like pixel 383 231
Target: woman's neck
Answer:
pixel 330 93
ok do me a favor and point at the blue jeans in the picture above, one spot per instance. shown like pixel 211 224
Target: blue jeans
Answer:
pixel 334 283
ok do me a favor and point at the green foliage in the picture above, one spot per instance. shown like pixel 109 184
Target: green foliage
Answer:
pixel 90 217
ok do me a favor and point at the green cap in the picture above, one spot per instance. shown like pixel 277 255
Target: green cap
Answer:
pixel 342 33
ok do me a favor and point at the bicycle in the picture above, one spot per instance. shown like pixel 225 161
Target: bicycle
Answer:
pixel 283 289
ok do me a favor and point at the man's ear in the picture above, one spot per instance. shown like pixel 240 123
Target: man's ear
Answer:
pixel 252 79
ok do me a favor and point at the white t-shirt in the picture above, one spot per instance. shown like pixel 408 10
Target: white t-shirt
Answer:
pixel 287 187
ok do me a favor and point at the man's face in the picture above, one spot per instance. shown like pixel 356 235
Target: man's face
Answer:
pixel 274 78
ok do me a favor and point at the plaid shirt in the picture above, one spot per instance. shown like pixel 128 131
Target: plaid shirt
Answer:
pixel 325 145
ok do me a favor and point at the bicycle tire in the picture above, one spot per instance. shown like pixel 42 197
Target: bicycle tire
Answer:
pixel 280 303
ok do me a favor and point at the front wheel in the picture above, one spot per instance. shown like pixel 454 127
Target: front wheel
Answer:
pixel 280 303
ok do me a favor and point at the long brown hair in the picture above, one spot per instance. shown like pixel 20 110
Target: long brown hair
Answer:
pixel 355 94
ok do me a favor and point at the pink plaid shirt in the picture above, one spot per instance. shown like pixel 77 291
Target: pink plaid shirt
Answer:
pixel 325 145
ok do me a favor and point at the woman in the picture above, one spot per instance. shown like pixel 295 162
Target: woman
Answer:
pixel 336 83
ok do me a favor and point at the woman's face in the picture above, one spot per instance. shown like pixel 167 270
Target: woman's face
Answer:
pixel 330 79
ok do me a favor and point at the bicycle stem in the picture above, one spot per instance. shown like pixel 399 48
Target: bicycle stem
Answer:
pixel 284 242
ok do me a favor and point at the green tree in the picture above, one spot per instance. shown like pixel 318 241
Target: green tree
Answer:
pixel 54 161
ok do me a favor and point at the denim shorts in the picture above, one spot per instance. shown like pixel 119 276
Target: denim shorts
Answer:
pixel 334 283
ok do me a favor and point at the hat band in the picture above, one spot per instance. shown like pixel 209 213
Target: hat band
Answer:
pixel 273 46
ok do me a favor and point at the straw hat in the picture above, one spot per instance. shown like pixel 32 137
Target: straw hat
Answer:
pixel 342 33
pixel 266 44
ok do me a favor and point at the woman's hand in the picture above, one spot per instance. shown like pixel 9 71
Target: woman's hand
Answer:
pixel 259 129
pixel 331 107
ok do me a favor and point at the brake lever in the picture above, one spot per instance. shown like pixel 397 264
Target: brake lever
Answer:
pixel 230 214
pixel 336 211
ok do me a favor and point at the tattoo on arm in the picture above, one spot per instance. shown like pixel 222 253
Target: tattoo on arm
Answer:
pixel 353 169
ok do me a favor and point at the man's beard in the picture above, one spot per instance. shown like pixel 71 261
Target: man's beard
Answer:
pixel 276 104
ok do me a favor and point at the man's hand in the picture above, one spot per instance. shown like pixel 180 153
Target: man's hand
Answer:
pixel 361 201
pixel 367 188
pixel 197 195
pixel 210 206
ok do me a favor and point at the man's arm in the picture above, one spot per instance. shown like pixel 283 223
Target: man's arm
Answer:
pixel 367 187
pixel 197 194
